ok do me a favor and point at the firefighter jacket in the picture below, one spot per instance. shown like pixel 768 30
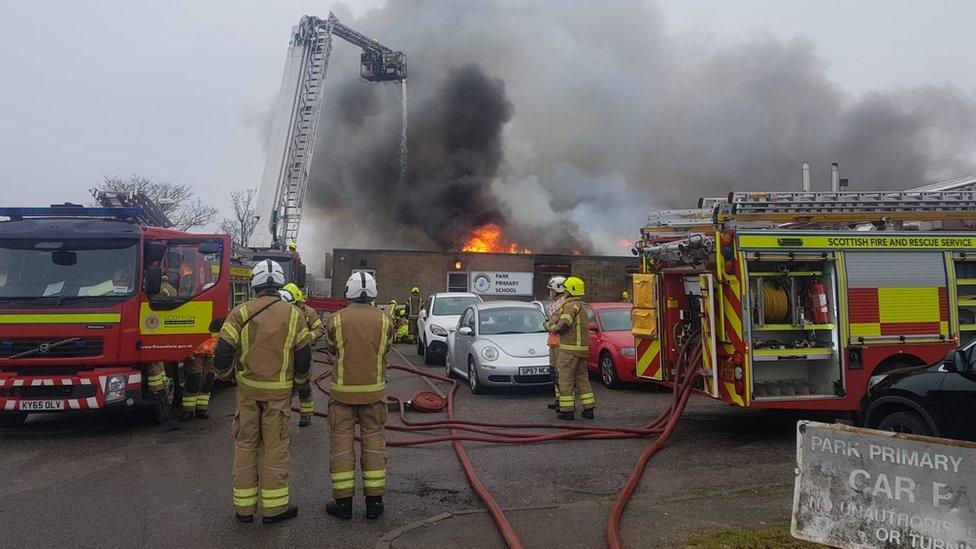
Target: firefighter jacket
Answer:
pixel 271 341
pixel 359 336
pixel 552 317
pixel 414 302
pixel 315 326
pixel 571 325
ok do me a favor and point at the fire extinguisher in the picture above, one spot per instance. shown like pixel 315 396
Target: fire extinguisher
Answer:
pixel 817 302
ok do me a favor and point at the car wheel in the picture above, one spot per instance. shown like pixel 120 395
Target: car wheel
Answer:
pixel 608 372
pixel 473 382
pixel 905 422
pixel 428 360
pixel 13 420
pixel 420 346
pixel 448 367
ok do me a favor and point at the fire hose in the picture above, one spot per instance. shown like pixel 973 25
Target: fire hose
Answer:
pixel 506 433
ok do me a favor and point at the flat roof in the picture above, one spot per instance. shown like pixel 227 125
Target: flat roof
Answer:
pixel 336 251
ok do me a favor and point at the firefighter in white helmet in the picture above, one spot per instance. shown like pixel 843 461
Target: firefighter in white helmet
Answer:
pixel 270 340
pixel 571 325
pixel 359 337
pixel 557 294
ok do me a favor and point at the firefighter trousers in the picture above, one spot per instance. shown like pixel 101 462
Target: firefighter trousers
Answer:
pixel 261 455
pixel 573 379
pixel 199 371
pixel 553 370
pixel 305 403
pixel 371 419
pixel 156 376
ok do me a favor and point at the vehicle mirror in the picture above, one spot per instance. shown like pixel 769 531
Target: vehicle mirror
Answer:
pixel 62 258
pixel 209 247
pixel 956 361
pixel 465 331
pixel 423 314
pixel 154 280
pixel 154 252
pixel 593 327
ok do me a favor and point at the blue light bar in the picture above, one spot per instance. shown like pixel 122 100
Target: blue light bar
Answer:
pixel 71 211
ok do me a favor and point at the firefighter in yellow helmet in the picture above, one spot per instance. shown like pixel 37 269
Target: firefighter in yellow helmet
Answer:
pixel 557 295
pixel 359 336
pixel 156 378
pixel 316 328
pixel 625 296
pixel 199 371
pixel 571 325
pixel 414 303
pixel 270 341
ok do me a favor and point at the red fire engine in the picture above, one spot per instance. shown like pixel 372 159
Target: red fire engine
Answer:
pixel 800 298
pixel 90 296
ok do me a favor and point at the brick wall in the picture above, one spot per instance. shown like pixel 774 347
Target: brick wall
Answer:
pixel 399 270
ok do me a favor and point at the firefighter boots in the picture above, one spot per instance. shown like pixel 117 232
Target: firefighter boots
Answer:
pixel 342 508
pixel 202 414
pixel 569 416
pixel 304 419
pixel 245 519
pixel 186 415
pixel 587 413
pixel 374 507
pixel 554 405
pixel 289 513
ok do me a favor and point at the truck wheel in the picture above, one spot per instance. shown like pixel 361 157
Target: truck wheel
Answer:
pixel 160 413
pixel 905 422
pixel 15 419
pixel 608 372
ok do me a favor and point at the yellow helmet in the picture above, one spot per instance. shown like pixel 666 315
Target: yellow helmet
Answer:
pixel 575 286
pixel 295 292
pixel 293 246
pixel 625 294
pixel 415 290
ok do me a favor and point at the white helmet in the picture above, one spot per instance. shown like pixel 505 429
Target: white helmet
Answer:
pixel 267 274
pixel 557 284
pixel 286 296
pixel 361 285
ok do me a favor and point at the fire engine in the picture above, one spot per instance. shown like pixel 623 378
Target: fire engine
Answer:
pixel 801 297
pixel 90 296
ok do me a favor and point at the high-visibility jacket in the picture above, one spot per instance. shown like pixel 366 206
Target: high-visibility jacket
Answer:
pixel 571 325
pixel 414 302
pixel 359 336
pixel 315 326
pixel 554 307
pixel 266 345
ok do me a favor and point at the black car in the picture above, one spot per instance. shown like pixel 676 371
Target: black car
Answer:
pixel 937 400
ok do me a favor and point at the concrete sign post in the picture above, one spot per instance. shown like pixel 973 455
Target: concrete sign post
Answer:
pixel 865 488
pixel 498 283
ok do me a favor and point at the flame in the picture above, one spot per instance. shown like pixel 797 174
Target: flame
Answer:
pixel 625 244
pixel 490 238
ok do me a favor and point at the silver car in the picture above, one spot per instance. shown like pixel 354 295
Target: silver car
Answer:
pixel 500 343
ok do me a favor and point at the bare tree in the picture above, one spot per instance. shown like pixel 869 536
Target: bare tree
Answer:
pixel 242 226
pixel 177 200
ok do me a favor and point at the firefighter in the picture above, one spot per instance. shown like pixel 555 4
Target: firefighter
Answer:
pixel 625 296
pixel 199 381
pixel 306 405
pixel 156 378
pixel 402 327
pixel 557 294
pixel 414 303
pixel 270 341
pixel 391 308
pixel 571 325
pixel 359 336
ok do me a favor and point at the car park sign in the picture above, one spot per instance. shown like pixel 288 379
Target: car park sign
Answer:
pixel 501 283
pixel 865 488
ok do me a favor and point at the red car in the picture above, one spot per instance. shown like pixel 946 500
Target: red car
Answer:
pixel 611 344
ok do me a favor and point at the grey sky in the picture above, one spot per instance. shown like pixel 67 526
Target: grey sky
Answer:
pixel 164 89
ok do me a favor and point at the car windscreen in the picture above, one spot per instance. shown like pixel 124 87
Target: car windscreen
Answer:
pixel 510 321
pixel 615 320
pixel 447 306
pixel 92 269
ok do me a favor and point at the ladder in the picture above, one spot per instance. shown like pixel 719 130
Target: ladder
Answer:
pixel 673 221
pixel 847 207
pixel 958 184
pixel 150 214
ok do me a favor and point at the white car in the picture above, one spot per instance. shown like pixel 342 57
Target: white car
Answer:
pixel 440 313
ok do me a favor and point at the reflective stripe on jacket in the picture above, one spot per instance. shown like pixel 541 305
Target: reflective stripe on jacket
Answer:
pixel 360 336
pixel 315 325
pixel 571 325
pixel 265 345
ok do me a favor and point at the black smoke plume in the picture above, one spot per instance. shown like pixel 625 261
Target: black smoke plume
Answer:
pixel 566 121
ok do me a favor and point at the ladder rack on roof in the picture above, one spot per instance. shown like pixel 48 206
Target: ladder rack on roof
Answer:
pixel 958 184
pixel 850 207
pixel 679 220
pixel 150 212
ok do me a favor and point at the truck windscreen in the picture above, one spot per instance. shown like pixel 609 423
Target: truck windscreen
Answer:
pixel 91 270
